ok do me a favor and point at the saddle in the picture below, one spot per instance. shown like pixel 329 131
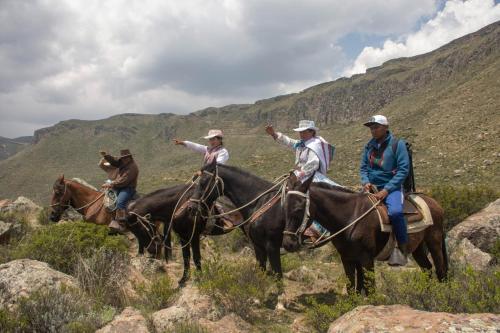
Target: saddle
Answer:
pixel 415 210
pixel 111 198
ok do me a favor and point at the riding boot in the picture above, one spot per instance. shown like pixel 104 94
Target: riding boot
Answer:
pixel 399 256
pixel 117 225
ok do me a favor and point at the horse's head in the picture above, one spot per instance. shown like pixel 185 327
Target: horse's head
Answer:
pixel 144 230
pixel 61 199
pixel 208 187
pixel 296 208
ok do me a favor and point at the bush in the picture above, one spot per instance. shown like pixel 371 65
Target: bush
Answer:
pixel 466 291
pixel 43 216
pixel 8 322
pixel 103 275
pixel 459 202
pixel 235 287
pixel 61 245
pixel 56 310
pixel 157 295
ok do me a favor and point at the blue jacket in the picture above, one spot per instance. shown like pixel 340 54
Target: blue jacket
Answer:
pixel 382 168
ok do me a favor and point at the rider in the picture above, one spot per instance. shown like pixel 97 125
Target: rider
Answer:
pixel 312 156
pixel 386 170
pixel 215 148
pixel 124 184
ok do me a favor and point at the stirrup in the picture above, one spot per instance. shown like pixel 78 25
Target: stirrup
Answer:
pixel 397 258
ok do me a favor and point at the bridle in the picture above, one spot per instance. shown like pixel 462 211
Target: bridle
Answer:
pixel 68 204
pixel 202 201
pixel 305 219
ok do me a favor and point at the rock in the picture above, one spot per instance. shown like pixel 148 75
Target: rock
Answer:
pixel 300 325
pixel 146 265
pixel 191 305
pixel 301 274
pixel 5 203
pixel 402 318
pixel 465 253
pixel 5 230
pixel 167 318
pixel 21 205
pixel 129 321
pixel 481 229
pixel 230 324
pixel 19 278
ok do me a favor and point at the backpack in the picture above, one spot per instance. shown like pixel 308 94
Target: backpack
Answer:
pixel 409 182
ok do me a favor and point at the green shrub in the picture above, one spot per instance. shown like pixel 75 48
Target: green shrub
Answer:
pixel 43 216
pixel 291 261
pixel 157 295
pixel 459 202
pixel 465 291
pixel 103 275
pixel 235 287
pixel 57 310
pixel 234 241
pixel 61 245
pixel 8 322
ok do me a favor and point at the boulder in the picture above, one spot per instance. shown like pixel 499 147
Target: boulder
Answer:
pixel 481 229
pixel 19 278
pixel 191 305
pixel 21 205
pixel 129 321
pixel 465 253
pixel 402 318
pixel 230 324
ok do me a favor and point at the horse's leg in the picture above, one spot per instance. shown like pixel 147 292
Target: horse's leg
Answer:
pixel 366 281
pixel 273 251
pixel 349 269
pixel 186 256
pixel 195 245
pixel 261 256
pixel 167 245
pixel 434 240
pixel 420 256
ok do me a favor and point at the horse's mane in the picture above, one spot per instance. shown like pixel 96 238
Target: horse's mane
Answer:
pixel 84 183
pixel 333 187
pixel 172 189
pixel 256 180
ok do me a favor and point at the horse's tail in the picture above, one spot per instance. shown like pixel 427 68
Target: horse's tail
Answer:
pixel 445 253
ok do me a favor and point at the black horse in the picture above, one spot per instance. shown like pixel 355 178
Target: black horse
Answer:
pixel 263 227
pixel 335 208
pixel 157 207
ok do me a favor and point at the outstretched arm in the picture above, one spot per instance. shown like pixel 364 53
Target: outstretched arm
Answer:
pixel 280 137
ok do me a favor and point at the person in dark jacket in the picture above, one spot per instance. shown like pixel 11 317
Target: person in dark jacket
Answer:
pixel 386 169
pixel 124 184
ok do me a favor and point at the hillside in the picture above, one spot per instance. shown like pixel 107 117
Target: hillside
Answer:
pixel 10 147
pixel 446 102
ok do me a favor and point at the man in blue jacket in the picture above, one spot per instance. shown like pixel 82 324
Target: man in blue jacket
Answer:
pixel 385 164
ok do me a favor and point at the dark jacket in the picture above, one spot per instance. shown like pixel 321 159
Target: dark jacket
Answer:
pixel 381 167
pixel 128 172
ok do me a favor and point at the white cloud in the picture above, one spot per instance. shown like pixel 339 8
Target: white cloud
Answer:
pixel 456 19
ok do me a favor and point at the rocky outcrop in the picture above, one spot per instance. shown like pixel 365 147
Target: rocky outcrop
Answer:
pixel 401 318
pixel 20 205
pixel 19 278
pixel 191 305
pixel 129 321
pixel 230 324
pixel 472 241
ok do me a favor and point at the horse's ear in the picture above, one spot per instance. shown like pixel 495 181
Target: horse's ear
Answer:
pixel 304 187
pixel 61 178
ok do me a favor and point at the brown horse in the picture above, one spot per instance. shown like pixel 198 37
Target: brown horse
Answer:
pixel 335 208
pixel 86 201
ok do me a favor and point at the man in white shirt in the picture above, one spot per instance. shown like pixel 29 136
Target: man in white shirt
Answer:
pixel 215 148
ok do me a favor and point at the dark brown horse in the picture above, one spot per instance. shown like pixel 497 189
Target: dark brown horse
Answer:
pixel 86 201
pixel 252 193
pixel 159 206
pixel 335 208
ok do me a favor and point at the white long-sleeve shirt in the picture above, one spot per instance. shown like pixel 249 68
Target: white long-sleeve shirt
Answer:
pixel 221 154
pixel 306 160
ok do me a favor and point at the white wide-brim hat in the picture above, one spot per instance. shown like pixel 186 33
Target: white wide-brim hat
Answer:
pixel 213 133
pixel 305 125
pixel 377 119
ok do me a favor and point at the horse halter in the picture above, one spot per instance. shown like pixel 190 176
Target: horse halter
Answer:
pixel 66 205
pixel 209 189
pixel 305 219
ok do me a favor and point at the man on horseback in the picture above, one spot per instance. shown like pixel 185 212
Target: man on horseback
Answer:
pixel 214 150
pixel 312 156
pixel 124 184
pixel 386 170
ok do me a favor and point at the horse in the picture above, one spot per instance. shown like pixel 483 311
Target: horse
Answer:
pixel 359 238
pixel 86 201
pixel 264 221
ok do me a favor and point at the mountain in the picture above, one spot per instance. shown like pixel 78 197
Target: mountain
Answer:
pixel 10 147
pixel 446 103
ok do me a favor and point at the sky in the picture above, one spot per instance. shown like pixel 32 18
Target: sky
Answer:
pixel 67 59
